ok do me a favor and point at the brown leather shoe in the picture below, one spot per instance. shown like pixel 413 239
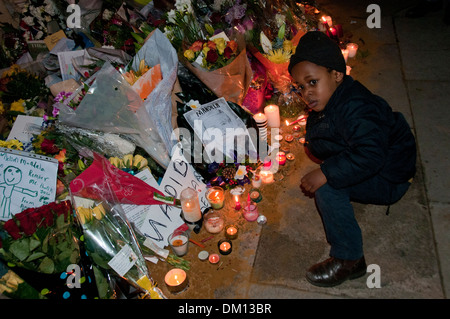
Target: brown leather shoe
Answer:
pixel 334 271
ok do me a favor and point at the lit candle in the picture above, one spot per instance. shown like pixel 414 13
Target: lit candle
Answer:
pixel 214 258
pixel 255 195
pixel 302 140
pixel 281 158
pixel 352 49
pixel 322 25
pixel 333 31
pixel 266 177
pixel 289 138
pixel 176 280
pixel 231 232
pixel 237 204
pixel 225 246
pixel 290 156
pixel 215 196
pixel 190 205
pixel 260 119
pixel 272 113
pixel 345 54
pixel 329 20
pixel 296 128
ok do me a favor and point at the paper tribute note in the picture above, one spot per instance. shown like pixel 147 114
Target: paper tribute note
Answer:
pixel 26 180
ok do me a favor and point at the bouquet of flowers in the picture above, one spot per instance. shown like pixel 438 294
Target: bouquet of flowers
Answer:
pixel 43 240
pixel 212 54
pixel 112 244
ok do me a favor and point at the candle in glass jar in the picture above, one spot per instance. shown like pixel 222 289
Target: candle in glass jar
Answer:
pixel 255 195
pixel 213 222
pixel 266 177
pixel 256 181
pixel 214 258
pixel 215 196
pixel 281 158
pixel 176 280
pixel 231 232
pixel 352 49
pixel 190 205
pixel 272 113
pixel 225 246
pixel 345 54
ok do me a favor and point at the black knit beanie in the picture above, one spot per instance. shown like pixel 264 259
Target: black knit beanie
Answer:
pixel 318 48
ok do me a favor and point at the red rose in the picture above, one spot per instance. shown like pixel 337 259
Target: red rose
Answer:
pixel 47 214
pixel 228 52
pixel 37 217
pixel 49 147
pixel 13 230
pixel 212 56
pixel 26 224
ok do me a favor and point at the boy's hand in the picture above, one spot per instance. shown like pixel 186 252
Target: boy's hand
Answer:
pixel 313 181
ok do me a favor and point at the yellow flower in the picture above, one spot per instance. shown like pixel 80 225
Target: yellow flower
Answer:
pixel 15 145
pixel 287 46
pixel 18 106
pixel 142 68
pixel 130 77
pixel 85 214
pixel 128 161
pixel 117 162
pixel 189 54
pixel 139 161
pixel 220 45
pixel 278 56
pixel 2 109
pixel 99 211
pixel 15 68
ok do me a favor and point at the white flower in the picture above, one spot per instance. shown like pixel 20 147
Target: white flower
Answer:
pixel 184 5
pixel 194 104
pixel 280 19
pixel 241 172
pixel 28 20
pixel 171 16
pixel 265 43
pixel 107 14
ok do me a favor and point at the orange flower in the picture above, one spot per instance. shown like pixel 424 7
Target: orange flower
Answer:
pixel 196 46
pixel 211 45
pixel 232 45
pixel 61 157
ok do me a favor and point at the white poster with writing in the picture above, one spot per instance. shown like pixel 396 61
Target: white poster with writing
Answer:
pixel 26 180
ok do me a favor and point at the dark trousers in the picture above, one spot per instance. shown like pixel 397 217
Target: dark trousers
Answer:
pixel 334 205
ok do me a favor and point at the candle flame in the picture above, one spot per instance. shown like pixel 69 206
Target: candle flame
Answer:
pixel 324 19
pixel 287 123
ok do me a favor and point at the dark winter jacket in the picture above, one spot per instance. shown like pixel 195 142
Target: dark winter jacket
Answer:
pixel 358 135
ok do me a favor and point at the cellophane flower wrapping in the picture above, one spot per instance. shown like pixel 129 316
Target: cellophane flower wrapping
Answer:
pixel 41 245
pixel 112 244
pixel 111 105
pixel 231 81
pixel 157 50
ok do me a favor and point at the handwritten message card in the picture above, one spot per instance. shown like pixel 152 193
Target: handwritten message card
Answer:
pixel 26 180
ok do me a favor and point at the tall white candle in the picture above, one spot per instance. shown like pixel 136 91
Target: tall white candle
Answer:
pixel 272 113
pixel 190 205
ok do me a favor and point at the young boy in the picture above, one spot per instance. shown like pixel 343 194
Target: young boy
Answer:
pixel 367 153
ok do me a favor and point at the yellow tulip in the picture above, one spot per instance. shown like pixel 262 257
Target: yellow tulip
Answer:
pixel 189 54
pixel 99 211
pixel 128 161
pixel 85 214
pixel 117 162
pixel 139 161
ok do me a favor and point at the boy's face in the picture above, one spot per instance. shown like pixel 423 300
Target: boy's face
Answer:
pixel 316 83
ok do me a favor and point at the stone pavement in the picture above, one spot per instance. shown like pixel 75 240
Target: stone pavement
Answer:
pixel 407 63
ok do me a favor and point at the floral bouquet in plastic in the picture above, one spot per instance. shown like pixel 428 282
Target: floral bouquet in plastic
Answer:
pixel 111 105
pixel 113 246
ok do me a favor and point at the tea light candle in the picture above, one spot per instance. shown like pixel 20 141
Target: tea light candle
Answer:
pixel 255 195
pixel 281 158
pixel 278 137
pixel 266 177
pixel 290 156
pixel 176 280
pixel 214 258
pixel 302 140
pixel 231 232
pixel 272 113
pixel 289 138
pixel 352 49
pixel 296 128
pixel 215 197
pixel 225 246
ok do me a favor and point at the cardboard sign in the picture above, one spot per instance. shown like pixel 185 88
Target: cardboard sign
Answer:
pixel 161 220
pixel 26 180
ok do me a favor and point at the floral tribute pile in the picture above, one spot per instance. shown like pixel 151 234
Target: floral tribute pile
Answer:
pixel 114 98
